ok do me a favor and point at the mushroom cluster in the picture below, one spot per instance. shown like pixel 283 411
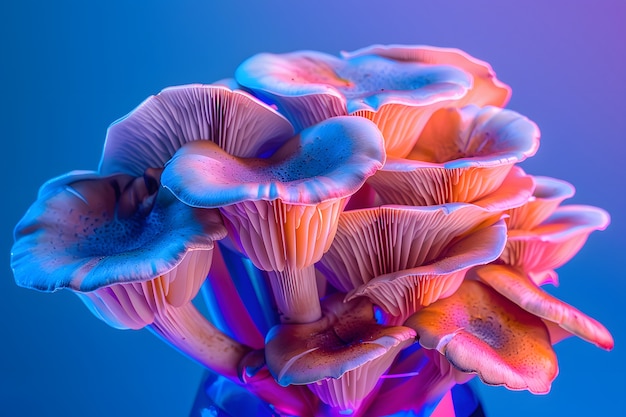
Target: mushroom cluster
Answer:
pixel 358 225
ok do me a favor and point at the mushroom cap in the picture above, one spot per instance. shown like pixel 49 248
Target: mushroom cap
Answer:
pixel 403 292
pixel 398 96
pixel 387 239
pixel 486 88
pixel 325 162
pixel 480 331
pixel 520 289
pixel 345 338
pixel 472 136
pixel 341 356
pixel 462 155
pixel 555 241
pixel 548 194
pixel 74 236
pixel 152 133
pixel 302 85
pixel 365 82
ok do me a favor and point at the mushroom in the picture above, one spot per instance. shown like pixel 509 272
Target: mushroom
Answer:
pixel 132 252
pixel 553 242
pixel 341 356
pixel 479 331
pixel 406 257
pixel 399 96
pixel 282 211
pixel 546 197
pixel 462 155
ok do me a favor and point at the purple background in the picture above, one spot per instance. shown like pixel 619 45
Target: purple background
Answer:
pixel 70 69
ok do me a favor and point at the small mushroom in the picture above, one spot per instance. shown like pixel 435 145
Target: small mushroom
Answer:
pixel 554 241
pixel 546 197
pixel 341 356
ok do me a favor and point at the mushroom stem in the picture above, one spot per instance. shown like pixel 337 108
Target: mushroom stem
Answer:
pixel 188 331
pixel 295 292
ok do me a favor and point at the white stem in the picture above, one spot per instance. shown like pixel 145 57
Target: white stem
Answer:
pixel 295 292
pixel 189 331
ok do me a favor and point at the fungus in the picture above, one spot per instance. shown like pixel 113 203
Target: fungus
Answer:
pixel 282 211
pixel 479 331
pixel 398 96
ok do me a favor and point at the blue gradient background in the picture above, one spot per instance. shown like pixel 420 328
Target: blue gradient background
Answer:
pixel 69 69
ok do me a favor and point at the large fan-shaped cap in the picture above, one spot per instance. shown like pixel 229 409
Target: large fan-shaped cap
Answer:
pixel 327 161
pixel 150 135
pixel 86 231
pixel 480 331
pixel 398 96
pixel 486 89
